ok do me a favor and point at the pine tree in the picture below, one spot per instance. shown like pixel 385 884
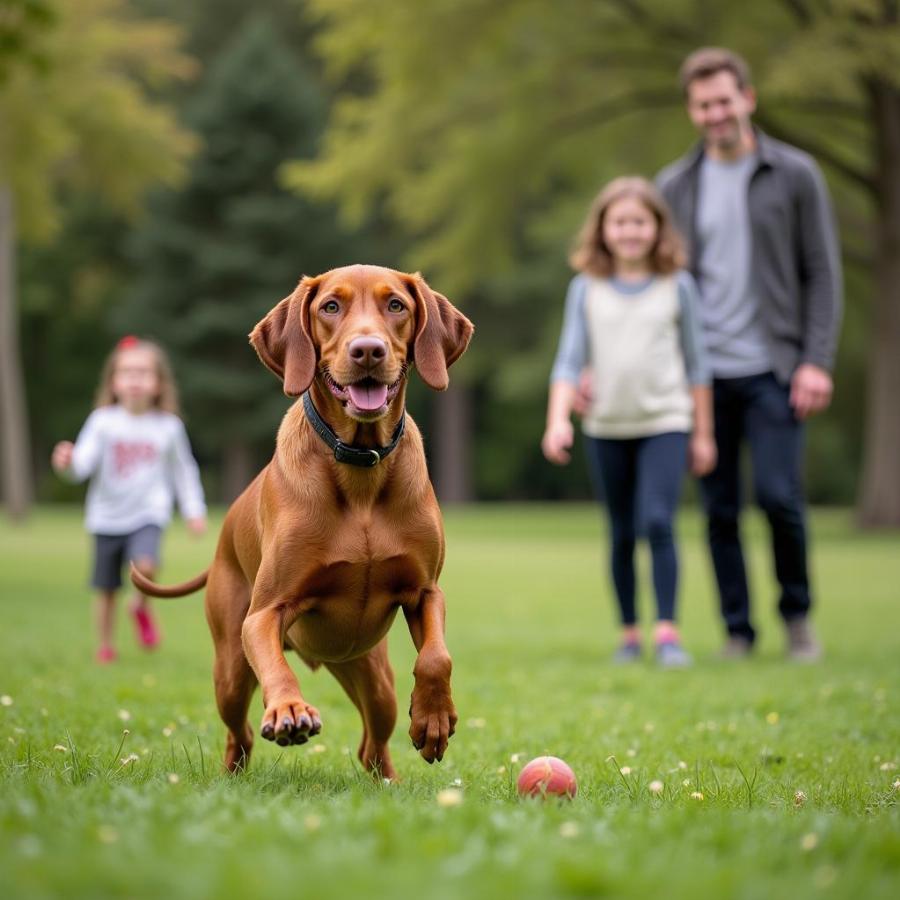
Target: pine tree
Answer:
pixel 218 254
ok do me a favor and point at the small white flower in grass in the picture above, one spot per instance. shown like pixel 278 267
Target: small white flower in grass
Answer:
pixel 319 748
pixel 625 770
pixel 106 834
pixel 631 752
pixel 124 715
pixel 312 822
pixel 515 757
pixel 6 700
pixel 686 782
pixel 569 829
pixel 168 731
pixel 809 841
pixel 476 723
pixel 896 785
pixel 501 770
pixel 449 797
pixel 682 764
pixel 772 718
pixel 655 787
pixel 128 760
pixel 888 766
pixel 173 778
pixel 799 798
pixel 457 782
pixel 696 795
pixel 62 748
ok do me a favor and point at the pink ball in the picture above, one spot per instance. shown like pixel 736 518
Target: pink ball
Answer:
pixel 547 776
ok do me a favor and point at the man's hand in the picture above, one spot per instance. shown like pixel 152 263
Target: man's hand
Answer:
pixel 557 442
pixel 811 389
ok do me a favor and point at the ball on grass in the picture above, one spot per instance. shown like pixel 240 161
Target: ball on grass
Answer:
pixel 547 776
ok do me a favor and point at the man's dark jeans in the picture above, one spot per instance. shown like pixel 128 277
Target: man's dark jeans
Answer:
pixel 757 409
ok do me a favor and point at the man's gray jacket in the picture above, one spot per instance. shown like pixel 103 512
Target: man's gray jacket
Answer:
pixel 795 266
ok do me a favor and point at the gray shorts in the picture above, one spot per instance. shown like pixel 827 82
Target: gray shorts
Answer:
pixel 112 551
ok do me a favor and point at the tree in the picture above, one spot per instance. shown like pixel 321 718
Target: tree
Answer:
pixel 216 255
pixel 491 129
pixel 83 117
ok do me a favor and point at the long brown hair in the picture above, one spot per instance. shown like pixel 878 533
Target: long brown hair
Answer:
pixel 591 255
pixel 167 398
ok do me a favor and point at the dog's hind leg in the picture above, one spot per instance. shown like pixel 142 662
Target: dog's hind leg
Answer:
pixel 369 683
pixel 227 600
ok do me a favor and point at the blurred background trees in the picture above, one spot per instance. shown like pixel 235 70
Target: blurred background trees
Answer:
pixel 462 138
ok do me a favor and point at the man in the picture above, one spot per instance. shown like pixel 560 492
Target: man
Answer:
pixel 763 248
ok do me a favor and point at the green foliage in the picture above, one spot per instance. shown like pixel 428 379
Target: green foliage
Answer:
pixel 21 24
pixel 89 811
pixel 216 255
pixel 84 118
pixel 488 133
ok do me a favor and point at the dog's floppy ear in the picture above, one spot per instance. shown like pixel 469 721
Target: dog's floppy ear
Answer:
pixel 283 342
pixel 442 333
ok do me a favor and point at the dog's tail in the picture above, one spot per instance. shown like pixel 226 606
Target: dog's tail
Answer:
pixel 146 586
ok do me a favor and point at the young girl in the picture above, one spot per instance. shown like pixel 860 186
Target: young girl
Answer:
pixel 631 322
pixel 135 450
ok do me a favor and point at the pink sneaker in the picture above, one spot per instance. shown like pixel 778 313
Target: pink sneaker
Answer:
pixel 147 633
pixel 106 655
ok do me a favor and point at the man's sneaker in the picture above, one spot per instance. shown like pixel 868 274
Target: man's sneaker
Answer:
pixel 736 647
pixel 147 633
pixel 629 652
pixel 671 655
pixel 106 655
pixel 802 643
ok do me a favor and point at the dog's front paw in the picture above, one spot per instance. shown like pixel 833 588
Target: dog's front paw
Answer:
pixel 433 721
pixel 290 722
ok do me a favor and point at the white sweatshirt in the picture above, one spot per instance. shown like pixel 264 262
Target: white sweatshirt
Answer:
pixel 137 464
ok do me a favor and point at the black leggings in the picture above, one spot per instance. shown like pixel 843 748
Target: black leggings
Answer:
pixel 640 480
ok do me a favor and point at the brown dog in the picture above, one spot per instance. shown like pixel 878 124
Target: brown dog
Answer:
pixel 341 529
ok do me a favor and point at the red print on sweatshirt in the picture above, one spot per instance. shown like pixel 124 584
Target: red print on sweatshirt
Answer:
pixel 127 457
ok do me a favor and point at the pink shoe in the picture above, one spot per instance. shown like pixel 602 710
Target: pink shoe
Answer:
pixel 106 655
pixel 147 632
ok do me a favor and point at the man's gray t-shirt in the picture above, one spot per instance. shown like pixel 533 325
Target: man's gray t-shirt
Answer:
pixel 733 329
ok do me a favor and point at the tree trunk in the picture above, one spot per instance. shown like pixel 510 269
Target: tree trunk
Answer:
pixel 879 498
pixel 237 469
pixel 16 479
pixel 451 446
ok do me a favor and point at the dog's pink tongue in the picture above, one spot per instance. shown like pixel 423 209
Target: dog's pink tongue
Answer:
pixel 368 396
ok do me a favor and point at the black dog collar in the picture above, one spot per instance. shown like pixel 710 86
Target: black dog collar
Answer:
pixel 345 453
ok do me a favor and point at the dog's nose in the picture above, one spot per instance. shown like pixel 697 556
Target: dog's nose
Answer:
pixel 367 350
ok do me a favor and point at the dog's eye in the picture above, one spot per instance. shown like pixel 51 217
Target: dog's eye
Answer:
pixel 331 307
pixel 396 306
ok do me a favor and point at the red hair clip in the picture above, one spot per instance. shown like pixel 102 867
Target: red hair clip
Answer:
pixel 127 342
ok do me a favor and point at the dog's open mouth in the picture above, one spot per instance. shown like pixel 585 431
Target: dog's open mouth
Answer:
pixel 368 395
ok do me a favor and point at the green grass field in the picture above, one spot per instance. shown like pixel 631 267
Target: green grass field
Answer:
pixel 797 766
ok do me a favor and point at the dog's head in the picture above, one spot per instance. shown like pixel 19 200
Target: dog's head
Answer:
pixel 359 328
